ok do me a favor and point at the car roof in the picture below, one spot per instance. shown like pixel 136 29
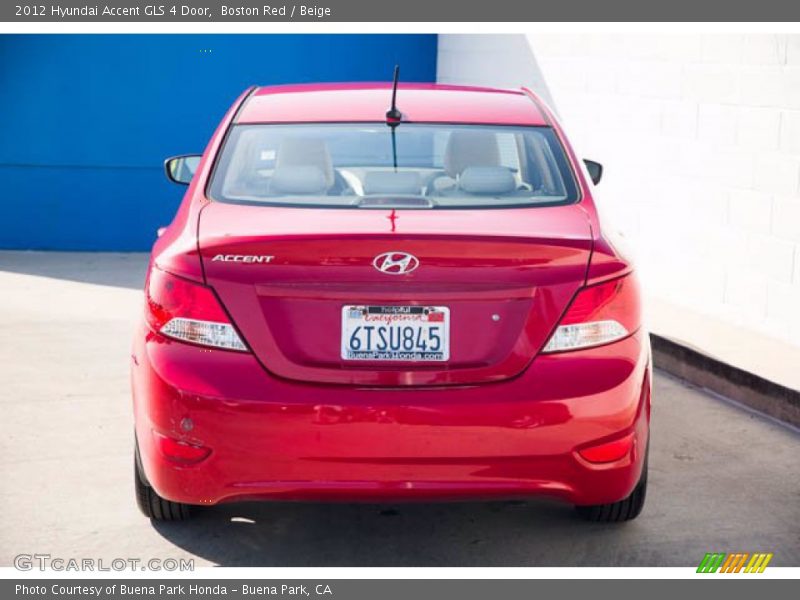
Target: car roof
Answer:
pixel 368 102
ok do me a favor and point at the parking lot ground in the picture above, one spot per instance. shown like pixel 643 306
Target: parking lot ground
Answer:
pixel 721 478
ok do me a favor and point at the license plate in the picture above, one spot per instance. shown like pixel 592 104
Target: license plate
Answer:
pixel 399 333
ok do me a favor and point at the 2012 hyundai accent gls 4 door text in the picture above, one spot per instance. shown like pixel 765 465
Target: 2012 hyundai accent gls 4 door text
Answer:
pixel 361 304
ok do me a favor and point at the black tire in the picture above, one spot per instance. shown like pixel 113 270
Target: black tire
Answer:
pixel 617 512
pixel 151 504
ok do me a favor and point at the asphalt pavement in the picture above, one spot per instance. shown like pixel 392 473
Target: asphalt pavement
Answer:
pixel 722 478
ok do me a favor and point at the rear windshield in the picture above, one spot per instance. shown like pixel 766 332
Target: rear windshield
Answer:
pixel 372 165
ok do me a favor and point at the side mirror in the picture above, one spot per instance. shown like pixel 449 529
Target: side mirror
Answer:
pixel 595 170
pixel 180 169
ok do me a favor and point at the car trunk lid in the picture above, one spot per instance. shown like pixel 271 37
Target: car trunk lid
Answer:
pixel 286 274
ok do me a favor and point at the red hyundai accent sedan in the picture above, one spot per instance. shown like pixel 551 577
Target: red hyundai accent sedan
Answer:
pixel 357 304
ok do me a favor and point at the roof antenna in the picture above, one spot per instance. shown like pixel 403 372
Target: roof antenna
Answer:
pixel 393 115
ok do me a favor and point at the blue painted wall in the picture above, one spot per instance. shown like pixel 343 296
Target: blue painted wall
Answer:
pixel 86 120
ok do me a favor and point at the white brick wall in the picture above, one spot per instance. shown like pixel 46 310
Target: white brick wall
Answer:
pixel 710 199
pixel 700 137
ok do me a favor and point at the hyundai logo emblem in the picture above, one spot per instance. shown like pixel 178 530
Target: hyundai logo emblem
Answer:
pixel 395 263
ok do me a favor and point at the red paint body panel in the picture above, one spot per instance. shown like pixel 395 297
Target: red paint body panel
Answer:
pixel 176 249
pixel 291 420
pixel 272 438
pixel 421 103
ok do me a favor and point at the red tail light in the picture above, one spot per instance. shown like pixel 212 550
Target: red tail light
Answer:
pixel 599 314
pixel 188 311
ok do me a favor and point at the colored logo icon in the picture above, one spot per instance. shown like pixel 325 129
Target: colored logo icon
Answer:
pixel 741 562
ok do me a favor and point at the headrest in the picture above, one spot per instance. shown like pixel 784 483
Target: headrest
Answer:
pixel 470 149
pixel 298 180
pixel 294 152
pixel 390 182
pixel 487 180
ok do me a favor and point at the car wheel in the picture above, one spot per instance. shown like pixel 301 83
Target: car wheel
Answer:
pixel 151 504
pixel 617 512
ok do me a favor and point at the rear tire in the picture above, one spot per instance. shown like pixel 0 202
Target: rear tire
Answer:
pixel 151 504
pixel 617 512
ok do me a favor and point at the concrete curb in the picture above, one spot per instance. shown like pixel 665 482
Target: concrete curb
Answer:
pixel 746 388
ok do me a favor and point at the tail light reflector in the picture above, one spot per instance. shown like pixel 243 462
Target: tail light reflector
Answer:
pixel 178 451
pixel 188 311
pixel 608 452
pixel 599 314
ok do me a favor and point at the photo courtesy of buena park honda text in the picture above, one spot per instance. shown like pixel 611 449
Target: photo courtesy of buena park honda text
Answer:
pixel 364 299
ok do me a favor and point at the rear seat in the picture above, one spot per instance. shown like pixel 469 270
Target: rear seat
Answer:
pixel 484 181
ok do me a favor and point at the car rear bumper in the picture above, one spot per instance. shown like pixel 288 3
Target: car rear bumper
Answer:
pixel 280 439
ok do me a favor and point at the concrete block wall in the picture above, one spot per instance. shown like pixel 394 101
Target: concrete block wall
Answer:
pixel 700 137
